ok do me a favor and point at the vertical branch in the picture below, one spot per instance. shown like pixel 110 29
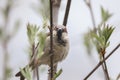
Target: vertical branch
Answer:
pixel 66 13
pixel 56 6
pixel 51 41
pixel 55 11
pixel 5 42
pixel 34 52
pixel 91 13
pixel 5 60
pixel 103 67
pixel 37 68
pixel 37 72
pixel 92 16
pixel 106 70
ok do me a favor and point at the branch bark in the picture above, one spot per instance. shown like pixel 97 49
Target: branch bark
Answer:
pixel 105 69
pixel 91 13
pixel 66 12
pixel 6 41
pixel 51 42
pixel 34 53
pixel 55 5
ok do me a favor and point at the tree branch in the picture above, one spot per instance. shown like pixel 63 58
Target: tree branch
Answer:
pixel 106 70
pixel 91 13
pixel 101 62
pixel 37 73
pixel 34 54
pixel 6 41
pixel 56 6
pixel 67 13
pixel 51 41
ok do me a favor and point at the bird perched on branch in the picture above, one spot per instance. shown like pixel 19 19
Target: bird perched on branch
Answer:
pixel 60 49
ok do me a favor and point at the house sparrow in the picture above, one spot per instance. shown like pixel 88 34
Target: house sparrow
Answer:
pixel 60 49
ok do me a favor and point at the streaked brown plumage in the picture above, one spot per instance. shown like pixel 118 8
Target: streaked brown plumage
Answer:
pixel 60 49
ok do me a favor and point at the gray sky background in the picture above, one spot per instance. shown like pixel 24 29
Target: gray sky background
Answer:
pixel 78 64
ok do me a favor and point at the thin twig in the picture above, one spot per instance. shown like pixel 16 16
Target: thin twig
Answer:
pixel 51 41
pixel 37 73
pixel 91 13
pixel 33 56
pixel 104 66
pixel 5 60
pixel 6 41
pixel 66 13
pixel 101 62
pixel 92 16
pixel 106 70
pixel 56 7
pixel 33 50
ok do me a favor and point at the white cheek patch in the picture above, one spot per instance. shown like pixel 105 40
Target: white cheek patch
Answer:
pixel 64 36
pixel 54 33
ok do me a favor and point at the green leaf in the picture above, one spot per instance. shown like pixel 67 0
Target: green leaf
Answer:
pixel 8 72
pixel 105 15
pixel 32 31
pixel 26 73
pixel 109 31
pixel 57 74
pixel 87 42
pixel 17 24
pixel 7 9
pixel 108 43
pixel 16 27
pixel 23 72
pixel 101 37
pixel 1 32
pixel 41 39
pixel 96 37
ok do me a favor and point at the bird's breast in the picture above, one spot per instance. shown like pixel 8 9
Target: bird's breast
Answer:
pixel 60 52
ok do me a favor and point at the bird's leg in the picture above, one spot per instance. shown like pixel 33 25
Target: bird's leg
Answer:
pixel 54 71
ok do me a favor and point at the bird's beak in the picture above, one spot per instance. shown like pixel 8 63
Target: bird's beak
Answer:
pixel 59 37
pixel 59 33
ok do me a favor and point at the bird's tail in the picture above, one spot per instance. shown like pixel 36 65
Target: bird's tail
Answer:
pixel 19 74
pixel 33 65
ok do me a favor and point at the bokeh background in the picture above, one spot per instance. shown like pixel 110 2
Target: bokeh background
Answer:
pixel 78 63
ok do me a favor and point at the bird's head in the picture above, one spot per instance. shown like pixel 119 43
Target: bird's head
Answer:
pixel 61 33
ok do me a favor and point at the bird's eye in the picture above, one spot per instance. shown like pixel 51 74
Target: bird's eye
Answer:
pixel 56 28
pixel 64 30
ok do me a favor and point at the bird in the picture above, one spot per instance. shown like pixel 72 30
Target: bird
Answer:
pixel 60 49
